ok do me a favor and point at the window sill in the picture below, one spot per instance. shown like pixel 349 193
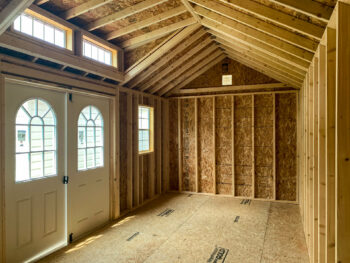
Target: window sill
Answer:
pixel 146 152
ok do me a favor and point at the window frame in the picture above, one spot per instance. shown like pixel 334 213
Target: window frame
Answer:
pixel 43 151
pixel 222 79
pixel 114 58
pixel 68 32
pixel 86 147
pixel 151 129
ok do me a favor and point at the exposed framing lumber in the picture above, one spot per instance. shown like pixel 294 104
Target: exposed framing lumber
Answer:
pixel 147 22
pixel 129 152
pixel 260 25
pixel 257 58
pixel 343 134
pixel 165 144
pixel 2 167
pixel 177 63
pixel 164 83
pixel 233 145
pixel 190 9
pixel 194 73
pixel 308 7
pixel 10 12
pixel 41 2
pixel 165 59
pixel 180 151
pixel 159 52
pixel 268 70
pixel 257 53
pixel 136 163
pixel 236 94
pixel 330 144
pixel 141 193
pixel 233 88
pixel 196 142
pixel 145 38
pixel 214 146
pixel 188 66
pixel 311 162
pixel 253 146
pixel 256 44
pixel 129 11
pixel 83 8
pixel 274 149
pixel 158 148
pixel 152 157
pixel 321 154
pixel 278 17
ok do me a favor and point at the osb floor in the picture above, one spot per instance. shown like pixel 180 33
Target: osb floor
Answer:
pixel 194 232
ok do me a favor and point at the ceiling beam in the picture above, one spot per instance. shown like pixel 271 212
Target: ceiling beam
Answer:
pixel 129 11
pixel 193 73
pixel 190 9
pixel 83 8
pixel 260 68
pixel 145 38
pixel 266 65
pixel 170 67
pixel 41 2
pixel 256 23
pixel 11 11
pixel 234 88
pixel 260 57
pixel 147 22
pixel 164 59
pixel 186 65
pixel 308 7
pixel 252 33
pixel 278 17
pixel 159 52
pixel 262 46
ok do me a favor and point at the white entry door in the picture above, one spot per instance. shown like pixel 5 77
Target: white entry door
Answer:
pixel 35 166
pixel 88 164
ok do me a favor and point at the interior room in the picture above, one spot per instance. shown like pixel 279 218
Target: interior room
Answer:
pixel 168 131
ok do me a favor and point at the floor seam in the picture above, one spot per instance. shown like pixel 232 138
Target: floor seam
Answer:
pixel 267 224
pixel 177 229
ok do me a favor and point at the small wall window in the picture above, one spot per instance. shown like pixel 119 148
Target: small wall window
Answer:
pixel 90 139
pixel 98 52
pixel 226 80
pixel 145 129
pixel 42 28
pixel 35 141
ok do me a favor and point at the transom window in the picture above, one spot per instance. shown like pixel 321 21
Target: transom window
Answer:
pixel 97 52
pixel 145 129
pixel 36 27
pixel 35 141
pixel 226 80
pixel 90 139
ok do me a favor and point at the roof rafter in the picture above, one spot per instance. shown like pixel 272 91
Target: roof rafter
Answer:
pixel 174 65
pixel 129 11
pixel 308 7
pixel 83 8
pixel 202 54
pixel 152 68
pixel 145 38
pixel 190 9
pixel 262 46
pixel 256 23
pixel 147 22
pixel 278 17
pixel 193 73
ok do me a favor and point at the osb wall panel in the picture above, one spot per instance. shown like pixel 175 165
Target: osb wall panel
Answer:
pixel 188 145
pixel 263 145
pixel 145 176
pixel 243 145
pixel 205 145
pixel 173 145
pixel 223 147
pixel 123 150
pixel 241 75
pixel 286 165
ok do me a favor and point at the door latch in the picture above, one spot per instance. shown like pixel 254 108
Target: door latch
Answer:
pixel 65 179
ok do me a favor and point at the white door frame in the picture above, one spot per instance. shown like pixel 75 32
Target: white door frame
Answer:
pixel 114 145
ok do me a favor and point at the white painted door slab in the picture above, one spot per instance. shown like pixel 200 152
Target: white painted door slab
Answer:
pixel 35 165
pixel 88 164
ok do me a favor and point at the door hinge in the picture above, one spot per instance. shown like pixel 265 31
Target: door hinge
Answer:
pixel 70 237
pixel 65 179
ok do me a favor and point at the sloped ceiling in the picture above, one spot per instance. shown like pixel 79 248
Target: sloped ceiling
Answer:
pixel 168 42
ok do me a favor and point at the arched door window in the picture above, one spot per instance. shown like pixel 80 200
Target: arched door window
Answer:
pixel 90 139
pixel 36 141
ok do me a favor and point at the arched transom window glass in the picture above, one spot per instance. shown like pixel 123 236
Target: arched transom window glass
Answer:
pixel 90 139
pixel 35 141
